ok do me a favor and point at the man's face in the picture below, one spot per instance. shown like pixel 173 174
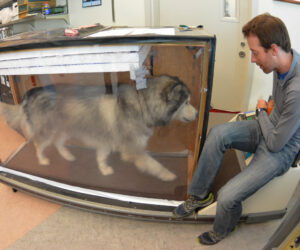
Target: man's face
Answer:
pixel 259 55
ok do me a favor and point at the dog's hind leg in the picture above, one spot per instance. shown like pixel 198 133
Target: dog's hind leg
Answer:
pixel 102 153
pixel 146 163
pixel 63 151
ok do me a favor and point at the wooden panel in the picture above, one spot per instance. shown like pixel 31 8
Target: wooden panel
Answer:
pixel 177 61
pixel 188 63
pixel 14 90
pixel 21 84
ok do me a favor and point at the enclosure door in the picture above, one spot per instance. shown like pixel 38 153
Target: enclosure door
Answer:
pixel 225 19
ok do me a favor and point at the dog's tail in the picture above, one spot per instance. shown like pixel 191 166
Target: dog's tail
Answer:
pixel 12 114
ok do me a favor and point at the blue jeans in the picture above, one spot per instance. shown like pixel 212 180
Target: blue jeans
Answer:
pixel 265 165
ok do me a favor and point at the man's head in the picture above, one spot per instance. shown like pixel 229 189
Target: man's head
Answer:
pixel 267 36
pixel 269 30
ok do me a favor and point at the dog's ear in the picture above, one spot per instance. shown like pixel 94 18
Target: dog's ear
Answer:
pixel 176 94
pixel 176 91
pixel 171 89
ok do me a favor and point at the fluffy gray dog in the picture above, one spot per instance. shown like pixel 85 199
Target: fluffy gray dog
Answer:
pixel 123 122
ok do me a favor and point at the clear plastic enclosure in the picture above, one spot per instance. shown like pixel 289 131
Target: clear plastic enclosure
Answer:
pixel 121 118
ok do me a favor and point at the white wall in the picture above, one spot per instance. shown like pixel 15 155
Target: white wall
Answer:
pixel 261 84
pixel 127 13
pixel 138 13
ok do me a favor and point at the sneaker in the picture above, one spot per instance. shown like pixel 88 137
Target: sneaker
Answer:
pixel 209 238
pixel 192 204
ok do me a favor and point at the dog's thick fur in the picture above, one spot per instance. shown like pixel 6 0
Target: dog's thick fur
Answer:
pixel 123 122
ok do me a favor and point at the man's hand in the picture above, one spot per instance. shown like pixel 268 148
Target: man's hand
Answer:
pixel 261 104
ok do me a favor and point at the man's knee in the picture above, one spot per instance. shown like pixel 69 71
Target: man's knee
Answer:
pixel 220 133
pixel 227 199
pixel 218 129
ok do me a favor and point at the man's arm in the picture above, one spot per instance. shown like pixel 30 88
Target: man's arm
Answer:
pixel 277 136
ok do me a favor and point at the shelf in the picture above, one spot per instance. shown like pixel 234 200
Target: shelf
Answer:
pixel 59 16
pixel 35 17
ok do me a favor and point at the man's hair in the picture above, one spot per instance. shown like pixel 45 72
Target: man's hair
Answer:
pixel 269 30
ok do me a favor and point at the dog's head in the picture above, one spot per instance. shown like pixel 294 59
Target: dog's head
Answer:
pixel 170 100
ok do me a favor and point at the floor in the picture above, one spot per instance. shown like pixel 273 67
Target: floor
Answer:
pixel 31 223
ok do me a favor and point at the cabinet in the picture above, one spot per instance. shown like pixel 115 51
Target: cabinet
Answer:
pixel 26 7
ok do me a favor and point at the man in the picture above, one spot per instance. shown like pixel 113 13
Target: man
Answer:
pixel 274 139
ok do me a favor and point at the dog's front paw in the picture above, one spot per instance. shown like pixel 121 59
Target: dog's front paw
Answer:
pixel 65 153
pixel 126 157
pixel 167 176
pixel 44 161
pixel 107 170
pixel 68 156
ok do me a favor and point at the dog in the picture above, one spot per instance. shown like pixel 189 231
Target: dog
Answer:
pixel 121 122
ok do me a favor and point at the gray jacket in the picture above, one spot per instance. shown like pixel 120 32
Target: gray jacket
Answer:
pixel 282 127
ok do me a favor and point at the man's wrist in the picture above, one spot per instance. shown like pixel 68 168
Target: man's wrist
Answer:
pixel 258 110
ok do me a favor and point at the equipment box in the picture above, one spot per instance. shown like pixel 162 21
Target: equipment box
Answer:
pixel 112 123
